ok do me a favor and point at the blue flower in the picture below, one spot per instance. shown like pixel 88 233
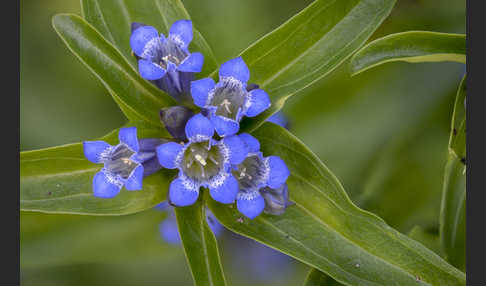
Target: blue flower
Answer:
pixel 174 119
pixel 168 228
pixel 261 181
pixel 228 100
pixel 280 119
pixel 167 60
pixel 202 162
pixel 122 163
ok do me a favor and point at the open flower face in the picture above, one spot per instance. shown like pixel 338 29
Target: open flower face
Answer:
pixel 256 173
pixel 122 164
pixel 228 101
pixel 167 60
pixel 202 162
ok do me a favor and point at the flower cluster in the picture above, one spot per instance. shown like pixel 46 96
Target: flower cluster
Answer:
pixel 207 149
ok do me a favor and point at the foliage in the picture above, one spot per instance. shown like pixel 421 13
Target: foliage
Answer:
pixel 324 229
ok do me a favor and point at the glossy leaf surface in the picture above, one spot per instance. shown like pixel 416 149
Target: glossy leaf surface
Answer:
pixel 137 98
pixel 412 47
pixel 309 46
pixel 453 207
pixel 200 245
pixel 327 231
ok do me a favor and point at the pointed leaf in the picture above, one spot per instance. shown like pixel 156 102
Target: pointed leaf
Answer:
pixel 200 245
pixel 138 99
pixel 325 230
pixel 309 46
pixel 453 206
pixel 412 47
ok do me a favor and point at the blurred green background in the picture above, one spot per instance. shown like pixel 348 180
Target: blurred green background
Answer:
pixel 383 133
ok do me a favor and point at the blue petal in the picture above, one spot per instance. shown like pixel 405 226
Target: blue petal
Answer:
pixel 200 90
pixel 104 187
pixel 259 102
pixel 276 200
pixel 134 182
pixel 278 172
pixel 169 231
pixel 174 119
pixel 225 126
pixel 150 144
pixel 149 70
pixel 171 67
pixel 251 142
pixel 163 206
pixel 128 136
pixel 140 37
pixel 167 154
pixel 199 128
pixel 183 192
pixel 235 68
pixel 224 190
pixel 238 150
pixel 251 206
pixel 279 118
pixel 151 166
pixel 181 31
pixel 135 25
pixel 193 63
pixel 213 223
pixel 93 150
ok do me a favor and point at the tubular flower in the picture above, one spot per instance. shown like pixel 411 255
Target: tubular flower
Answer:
pixel 123 163
pixel 228 100
pixel 167 60
pixel 257 175
pixel 202 162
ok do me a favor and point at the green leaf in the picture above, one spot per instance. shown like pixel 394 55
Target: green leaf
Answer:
pixel 431 240
pixel 317 278
pixel 309 46
pixel 453 206
pixel 412 47
pixel 113 19
pixel 200 245
pixel 325 230
pixel 457 139
pixel 138 98
pixel 426 237
pixel 59 180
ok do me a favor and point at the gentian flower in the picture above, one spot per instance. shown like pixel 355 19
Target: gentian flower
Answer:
pixel 228 101
pixel 174 119
pixel 276 200
pixel 280 119
pixel 168 228
pixel 257 175
pixel 123 163
pixel 202 162
pixel 167 60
